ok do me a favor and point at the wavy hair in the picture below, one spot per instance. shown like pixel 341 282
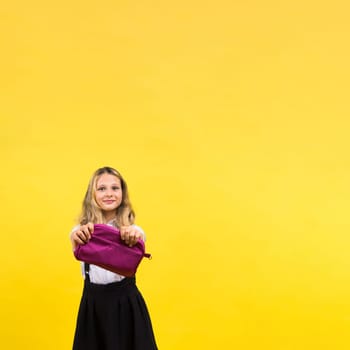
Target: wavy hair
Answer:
pixel 91 212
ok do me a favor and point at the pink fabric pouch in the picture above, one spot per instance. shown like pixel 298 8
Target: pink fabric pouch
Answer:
pixel 107 250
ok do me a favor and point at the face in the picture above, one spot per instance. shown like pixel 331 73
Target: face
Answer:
pixel 108 194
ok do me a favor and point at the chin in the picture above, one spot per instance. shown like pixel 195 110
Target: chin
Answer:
pixel 109 208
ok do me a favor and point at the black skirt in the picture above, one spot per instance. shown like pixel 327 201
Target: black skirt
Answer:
pixel 113 317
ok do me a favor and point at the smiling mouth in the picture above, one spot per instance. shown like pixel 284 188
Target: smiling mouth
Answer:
pixel 109 202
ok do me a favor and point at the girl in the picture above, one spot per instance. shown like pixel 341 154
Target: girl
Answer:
pixel 112 313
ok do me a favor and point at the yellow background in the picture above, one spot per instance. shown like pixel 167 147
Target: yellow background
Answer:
pixel 229 121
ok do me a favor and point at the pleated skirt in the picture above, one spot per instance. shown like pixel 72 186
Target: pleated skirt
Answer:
pixel 113 317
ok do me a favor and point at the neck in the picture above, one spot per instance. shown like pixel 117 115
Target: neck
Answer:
pixel 109 216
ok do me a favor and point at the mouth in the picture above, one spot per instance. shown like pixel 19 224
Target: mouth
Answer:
pixel 109 201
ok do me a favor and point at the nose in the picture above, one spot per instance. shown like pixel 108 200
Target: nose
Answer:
pixel 109 193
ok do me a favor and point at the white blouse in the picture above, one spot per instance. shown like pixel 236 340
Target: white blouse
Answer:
pixel 99 275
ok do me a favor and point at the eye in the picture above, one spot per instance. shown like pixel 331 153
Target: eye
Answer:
pixel 115 188
pixel 102 188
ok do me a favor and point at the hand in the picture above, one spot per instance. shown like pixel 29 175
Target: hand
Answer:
pixel 82 235
pixel 130 235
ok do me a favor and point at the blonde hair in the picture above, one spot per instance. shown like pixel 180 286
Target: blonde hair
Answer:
pixel 91 212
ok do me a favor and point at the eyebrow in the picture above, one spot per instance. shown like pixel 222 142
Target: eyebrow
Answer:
pixel 113 184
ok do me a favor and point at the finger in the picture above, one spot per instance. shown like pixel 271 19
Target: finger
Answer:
pixel 133 239
pixel 87 233
pixel 87 230
pixel 80 241
pixel 90 227
pixel 132 236
pixel 79 238
pixel 124 233
pixel 137 237
pixel 83 235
